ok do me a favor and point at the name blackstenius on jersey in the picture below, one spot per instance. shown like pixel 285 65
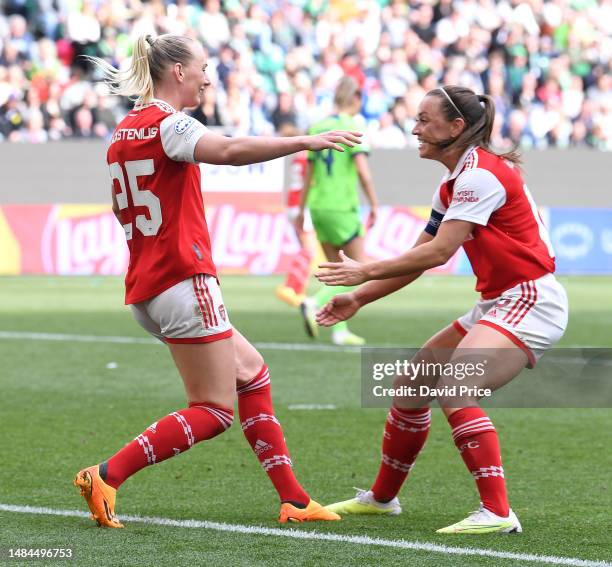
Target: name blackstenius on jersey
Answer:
pixel 134 134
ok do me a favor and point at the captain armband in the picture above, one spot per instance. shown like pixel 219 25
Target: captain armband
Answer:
pixel 434 222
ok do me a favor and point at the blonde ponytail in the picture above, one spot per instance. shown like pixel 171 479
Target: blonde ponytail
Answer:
pixel 149 59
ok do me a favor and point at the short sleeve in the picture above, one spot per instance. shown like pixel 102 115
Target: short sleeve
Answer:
pixel 363 148
pixel 179 135
pixel 477 194
pixel 437 204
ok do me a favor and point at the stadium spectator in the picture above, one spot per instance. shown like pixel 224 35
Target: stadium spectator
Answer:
pixel 522 53
pixel 387 134
pixel 284 113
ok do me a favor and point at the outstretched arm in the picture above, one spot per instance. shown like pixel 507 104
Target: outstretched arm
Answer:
pixel 436 252
pixel 344 306
pixel 376 289
pixel 222 150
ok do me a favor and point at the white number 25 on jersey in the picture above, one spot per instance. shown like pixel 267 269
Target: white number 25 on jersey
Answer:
pixel 140 197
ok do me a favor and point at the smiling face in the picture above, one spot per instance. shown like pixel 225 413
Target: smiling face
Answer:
pixel 432 128
pixel 194 77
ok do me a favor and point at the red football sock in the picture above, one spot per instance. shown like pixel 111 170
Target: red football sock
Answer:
pixel 299 271
pixel 166 438
pixel 405 434
pixel 265 435
pixel 478 444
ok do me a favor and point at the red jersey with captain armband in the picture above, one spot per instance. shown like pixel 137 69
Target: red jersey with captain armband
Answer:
pixel 157 186
pixel 509 243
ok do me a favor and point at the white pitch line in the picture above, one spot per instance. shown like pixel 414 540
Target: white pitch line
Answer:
pixel 318 536
pixel 62 337
pixel 308 347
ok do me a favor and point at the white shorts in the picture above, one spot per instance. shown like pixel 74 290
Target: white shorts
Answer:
pixel 292 214
pixel 532 314
pixel 191 311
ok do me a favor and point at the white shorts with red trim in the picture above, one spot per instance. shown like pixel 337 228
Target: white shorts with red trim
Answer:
pixel 532 314
pixel 191 311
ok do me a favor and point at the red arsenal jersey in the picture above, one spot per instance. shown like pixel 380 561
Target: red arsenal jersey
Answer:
pixel 157 186
pixel 509 243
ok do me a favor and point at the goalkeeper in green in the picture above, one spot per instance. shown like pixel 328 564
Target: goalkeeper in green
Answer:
pixel 330 193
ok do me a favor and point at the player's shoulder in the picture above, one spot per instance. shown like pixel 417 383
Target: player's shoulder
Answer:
pixel 480 158
pixel 480 164
pixel 321 125
pixel 334 122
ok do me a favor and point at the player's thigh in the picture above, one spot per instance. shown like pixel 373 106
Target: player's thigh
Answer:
pixel 208 370
pixel 484 359
pixel 437 350
pixel 331 251
pixel 355 249
pixel 248 359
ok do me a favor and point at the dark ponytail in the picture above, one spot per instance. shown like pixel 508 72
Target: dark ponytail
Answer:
pixel 478 113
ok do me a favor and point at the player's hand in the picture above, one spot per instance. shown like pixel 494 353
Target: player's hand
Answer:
pixel 339 308
pixel 372 217
pixel 345 272
pixel 333 140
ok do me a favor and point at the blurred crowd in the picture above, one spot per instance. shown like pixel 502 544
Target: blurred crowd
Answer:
pixel 274 64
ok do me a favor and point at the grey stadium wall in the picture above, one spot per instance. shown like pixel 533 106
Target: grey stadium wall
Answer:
pixel 75 172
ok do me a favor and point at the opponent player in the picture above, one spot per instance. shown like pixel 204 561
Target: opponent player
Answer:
pixel 330 191
pixel 171 284
pixel 483 205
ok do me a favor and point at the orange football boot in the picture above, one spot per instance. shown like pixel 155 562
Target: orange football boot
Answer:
pixel 100 497
pixel 312 513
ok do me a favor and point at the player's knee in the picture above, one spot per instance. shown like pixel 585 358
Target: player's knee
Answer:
pixel 248 366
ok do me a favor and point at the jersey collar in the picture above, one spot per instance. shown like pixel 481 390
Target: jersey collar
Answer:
pixel 460 164
pixel 157 102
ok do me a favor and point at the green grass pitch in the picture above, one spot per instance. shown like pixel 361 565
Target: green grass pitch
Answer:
pixel 61 408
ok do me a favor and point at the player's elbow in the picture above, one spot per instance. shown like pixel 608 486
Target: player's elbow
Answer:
pixel 237 151
pixel 224 151
pixel 234 157
pixel 442 254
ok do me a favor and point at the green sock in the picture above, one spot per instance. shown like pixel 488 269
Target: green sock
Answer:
pixel 325 294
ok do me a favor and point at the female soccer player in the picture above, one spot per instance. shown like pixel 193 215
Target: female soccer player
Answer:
pixel 171 284
pixel 330 192
pixel 483 205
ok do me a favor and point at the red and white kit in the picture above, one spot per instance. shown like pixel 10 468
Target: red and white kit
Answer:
pixel 171 279
pixel 509 250
pixel 297 174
